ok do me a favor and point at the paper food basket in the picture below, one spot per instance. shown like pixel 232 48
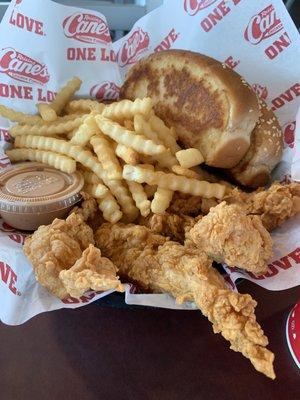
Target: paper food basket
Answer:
pixel 42 47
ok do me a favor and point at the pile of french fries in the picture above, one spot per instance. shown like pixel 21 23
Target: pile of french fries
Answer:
pixel 130 160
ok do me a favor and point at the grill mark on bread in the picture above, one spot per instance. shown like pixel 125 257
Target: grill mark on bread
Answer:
pixel 208 105
pixel 192 95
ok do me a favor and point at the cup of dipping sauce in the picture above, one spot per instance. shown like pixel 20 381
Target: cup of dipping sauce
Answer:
pixel 293 333
pixel 34 194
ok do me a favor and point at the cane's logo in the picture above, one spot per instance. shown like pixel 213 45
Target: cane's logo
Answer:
pixel 289 134
pixel 193 6
pixel 261 91
pixel 86 28
pixel 22 68
pixel 263 25
pixel 105 91
pixel 136 44
pixel 18 2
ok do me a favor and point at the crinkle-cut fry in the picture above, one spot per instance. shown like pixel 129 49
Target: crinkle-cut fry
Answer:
pixel 164 133
pixel 110 208
pixel 84 105
pixel 90 177
pixel 161 201
pixel 139 196
pixel 60 146
pixel 70 134
pixel 65 94
pixel 128 124
pixel 17 116
pixel 166 160
pixel 46 130
pixel 142 127
pixel 119 189
pixel 173 182
pixel 106 156
pixel 127 154
pixel 58 161
pixel 127 108
pixel 97 190
pixel 150 190
pixel 64 118
pixel 85 131
pixel 86 158
pixel 121 135
pixel 189 157
pixel 185 172
pixel 46 112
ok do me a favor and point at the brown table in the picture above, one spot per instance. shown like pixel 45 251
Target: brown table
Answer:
pixel 104 353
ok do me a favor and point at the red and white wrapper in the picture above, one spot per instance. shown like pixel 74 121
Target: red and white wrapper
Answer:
pixel 42 47
pixel 293 333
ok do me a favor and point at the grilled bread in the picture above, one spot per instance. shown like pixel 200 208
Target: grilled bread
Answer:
pixel 211 107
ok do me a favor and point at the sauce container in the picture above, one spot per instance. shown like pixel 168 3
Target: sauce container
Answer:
pixel 34 194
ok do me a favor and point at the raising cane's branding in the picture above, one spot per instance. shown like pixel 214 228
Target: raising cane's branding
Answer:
pixel 261 91
pixel 193 6
pixel 289 134
pixel 86 28
pixel 263 25
pixel 136 44
pixel 21 67
pixel 105 91
pixel 9 277
pixel 291 260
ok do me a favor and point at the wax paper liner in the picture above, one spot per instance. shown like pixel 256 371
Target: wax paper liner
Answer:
pixel 42 47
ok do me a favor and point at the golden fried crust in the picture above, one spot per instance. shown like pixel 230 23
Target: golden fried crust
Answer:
pixel 228 235
pixel 274 205
pixel 55 247
pixel 170 225
pixel 90 271
pixel 210 106
pixel 264 153
pixel 186 273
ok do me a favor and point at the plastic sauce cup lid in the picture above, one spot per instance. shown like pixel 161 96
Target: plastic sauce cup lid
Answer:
pixel 293 333
pixel 36 188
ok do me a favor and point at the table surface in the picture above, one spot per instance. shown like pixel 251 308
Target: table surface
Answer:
pixel 96 352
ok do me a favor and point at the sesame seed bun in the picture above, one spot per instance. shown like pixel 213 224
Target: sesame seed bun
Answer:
pixel 264 153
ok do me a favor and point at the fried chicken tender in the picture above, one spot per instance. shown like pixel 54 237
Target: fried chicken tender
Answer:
pixel 185 204
pixel 174 226
pixel 184 272
pixel 90 271
pixel 55 247
pixel 89 210
pixel 66 262
pixel 274 205
pixel 228 234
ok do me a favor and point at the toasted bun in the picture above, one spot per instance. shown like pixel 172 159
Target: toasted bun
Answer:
pixel 211 107
pixel 264 153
